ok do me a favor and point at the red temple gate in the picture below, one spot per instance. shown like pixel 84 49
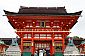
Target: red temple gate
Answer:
pixel 42 27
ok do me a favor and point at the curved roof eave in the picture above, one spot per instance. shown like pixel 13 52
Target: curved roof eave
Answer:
pixel 56 14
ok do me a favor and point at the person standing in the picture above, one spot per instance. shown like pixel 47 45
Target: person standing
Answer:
pixel 36 53
pixel 41 53
pixel 47 51
pixel 44 52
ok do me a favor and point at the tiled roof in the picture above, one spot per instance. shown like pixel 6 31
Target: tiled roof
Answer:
pixel 8 41
pixel 42 10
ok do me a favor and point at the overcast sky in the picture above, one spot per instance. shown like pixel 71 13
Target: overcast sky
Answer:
pixel 6 30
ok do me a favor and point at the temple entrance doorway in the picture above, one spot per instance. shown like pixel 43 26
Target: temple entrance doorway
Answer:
pixel 43 48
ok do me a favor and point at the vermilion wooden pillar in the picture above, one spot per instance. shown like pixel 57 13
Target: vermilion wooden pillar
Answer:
pixel 21 44
pixel 52 43
pixel 32 43
pixel 63 41
pixel 63 44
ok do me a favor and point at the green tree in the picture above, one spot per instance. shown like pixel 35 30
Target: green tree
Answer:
pixel 68 37
pixel 75 37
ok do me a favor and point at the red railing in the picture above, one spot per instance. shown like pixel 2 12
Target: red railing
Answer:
pixel 41 29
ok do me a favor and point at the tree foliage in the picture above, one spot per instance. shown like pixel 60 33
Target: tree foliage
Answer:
pixel 75 37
